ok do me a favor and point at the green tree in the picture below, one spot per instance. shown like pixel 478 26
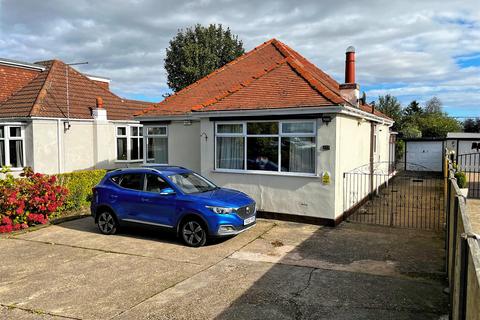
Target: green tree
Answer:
pixel 197 51
pixel 437 124
pixel 434 105
pixel 390 106
pixel 471 125
pixel 413 109
pixel 411 130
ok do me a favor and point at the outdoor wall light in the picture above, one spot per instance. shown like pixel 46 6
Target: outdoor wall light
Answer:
pixel 326 119
pixel 67 125
pixel 187 122
pixel 204 135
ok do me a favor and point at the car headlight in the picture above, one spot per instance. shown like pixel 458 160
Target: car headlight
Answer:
pixel 221 210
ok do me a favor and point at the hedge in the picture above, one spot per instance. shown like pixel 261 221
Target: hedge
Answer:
pixel 79 185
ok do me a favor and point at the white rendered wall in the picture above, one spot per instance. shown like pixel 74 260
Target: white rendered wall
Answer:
pixel 184 145
pixel 304 196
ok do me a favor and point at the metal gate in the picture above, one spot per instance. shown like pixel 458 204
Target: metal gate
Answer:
pixel 408 199
pixel 470 164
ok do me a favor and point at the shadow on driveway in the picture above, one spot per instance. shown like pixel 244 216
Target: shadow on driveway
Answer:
pixel 143 232
pixel 277 270
pixel 351 272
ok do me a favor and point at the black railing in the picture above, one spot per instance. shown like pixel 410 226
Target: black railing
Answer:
pixel 406 199
pixel 470 164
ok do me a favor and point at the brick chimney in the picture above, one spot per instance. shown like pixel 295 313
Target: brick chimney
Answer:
pixel 99 113
pixel 350 90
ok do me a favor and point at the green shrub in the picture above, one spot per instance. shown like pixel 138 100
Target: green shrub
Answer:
pixel 79 184
pixel 399 149
pixel 461 179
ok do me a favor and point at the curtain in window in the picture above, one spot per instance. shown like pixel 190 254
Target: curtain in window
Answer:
pixel 121 148
pixel 230 153
pixel 298 154
pixel 16 154
pixel 2 153
pixel 157 150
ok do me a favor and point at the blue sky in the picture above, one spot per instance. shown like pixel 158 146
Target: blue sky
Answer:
pixel 411 49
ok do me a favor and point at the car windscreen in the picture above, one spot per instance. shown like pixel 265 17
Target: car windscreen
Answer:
pixel 190 182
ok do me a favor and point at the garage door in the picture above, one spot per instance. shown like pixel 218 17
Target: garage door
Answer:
pixel 428 154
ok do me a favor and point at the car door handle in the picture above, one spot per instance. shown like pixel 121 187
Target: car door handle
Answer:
pixel 145 200
pixel 113 196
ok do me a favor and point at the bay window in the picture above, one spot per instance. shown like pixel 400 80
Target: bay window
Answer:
pixel 12 151
pixel 277 146
pixel 157 144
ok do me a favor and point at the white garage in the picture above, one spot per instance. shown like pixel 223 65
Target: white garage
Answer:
pixel 424 155
pixel 463 142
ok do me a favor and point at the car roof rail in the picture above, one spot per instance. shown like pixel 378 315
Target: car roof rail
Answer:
pixel 146 165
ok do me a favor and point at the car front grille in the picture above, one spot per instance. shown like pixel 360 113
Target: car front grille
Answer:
pixel 246 211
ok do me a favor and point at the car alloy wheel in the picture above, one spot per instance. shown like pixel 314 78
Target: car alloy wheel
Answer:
pixel 107 223
pixel 194 234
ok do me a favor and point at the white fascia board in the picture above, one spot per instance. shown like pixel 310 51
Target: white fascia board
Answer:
pixel 97 78
pixel 366 115
pixel 20 64
pixel 182 117
pixel 351 111
pixel 82 120
pixel 243 113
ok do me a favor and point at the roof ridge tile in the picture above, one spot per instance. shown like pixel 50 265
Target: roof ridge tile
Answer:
pixel 42 93
pixel 317 85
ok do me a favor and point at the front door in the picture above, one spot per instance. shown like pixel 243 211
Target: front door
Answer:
pixel 157 209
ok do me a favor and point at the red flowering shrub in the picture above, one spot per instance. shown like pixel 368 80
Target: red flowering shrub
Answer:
pixel 28 200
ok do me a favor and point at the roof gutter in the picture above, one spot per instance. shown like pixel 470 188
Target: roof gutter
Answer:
pixel 20 64
pixel 351 111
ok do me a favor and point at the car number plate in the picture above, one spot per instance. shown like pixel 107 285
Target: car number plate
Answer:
pixel 249 220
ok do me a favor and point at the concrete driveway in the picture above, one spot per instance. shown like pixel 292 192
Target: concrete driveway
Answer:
pixel 276 270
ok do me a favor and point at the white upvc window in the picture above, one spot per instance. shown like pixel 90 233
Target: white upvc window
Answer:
pixel 287 147
pixel 156 144
pixel 12 146
pixel 129 143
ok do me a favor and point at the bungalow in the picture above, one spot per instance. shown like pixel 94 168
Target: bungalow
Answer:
pixel 273 125
pixel 54 119
pixel 269 123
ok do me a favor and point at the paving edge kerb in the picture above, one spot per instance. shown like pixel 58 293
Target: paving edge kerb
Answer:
pixel 41 226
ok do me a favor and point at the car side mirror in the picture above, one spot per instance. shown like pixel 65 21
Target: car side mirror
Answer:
pixel 167 192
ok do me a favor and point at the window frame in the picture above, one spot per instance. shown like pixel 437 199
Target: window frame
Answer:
pixel 145 182
pixel 145 141
pixel 7 138
pixel 279 135
pixel 129 137
pixel 122 175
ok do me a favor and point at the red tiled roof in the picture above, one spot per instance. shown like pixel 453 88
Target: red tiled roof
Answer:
pixel 46 96
pixel 13 79
pixel 270 76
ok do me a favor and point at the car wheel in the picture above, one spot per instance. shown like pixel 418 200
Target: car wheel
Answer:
pixel 107 223
pixel 194 234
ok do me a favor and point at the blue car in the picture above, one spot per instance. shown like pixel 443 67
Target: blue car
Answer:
pixel 173 198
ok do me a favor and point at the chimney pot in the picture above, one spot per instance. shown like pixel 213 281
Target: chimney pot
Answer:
pixel 350 65
pixel 350 90
pixel 99 103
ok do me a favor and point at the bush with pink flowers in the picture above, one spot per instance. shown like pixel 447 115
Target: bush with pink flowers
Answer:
pixel 28 200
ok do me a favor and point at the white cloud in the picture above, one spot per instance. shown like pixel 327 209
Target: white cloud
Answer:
pixel 410 45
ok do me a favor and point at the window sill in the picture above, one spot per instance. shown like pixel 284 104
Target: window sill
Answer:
pixel 268 173
pixel 128 161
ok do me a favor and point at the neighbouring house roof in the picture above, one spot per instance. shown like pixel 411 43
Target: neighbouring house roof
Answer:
pixel 44 94
pixel 463 135
pixel 271 76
